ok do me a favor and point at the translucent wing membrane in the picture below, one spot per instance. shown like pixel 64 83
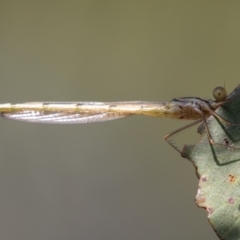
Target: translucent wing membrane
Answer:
pixel 60 117
pixel 70 113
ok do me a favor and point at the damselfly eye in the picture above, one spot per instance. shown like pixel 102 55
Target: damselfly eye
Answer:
pixel 220 94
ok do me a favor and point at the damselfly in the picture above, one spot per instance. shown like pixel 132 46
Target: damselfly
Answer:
pixel 86 112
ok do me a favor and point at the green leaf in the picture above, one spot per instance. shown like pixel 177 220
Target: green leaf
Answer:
pixel 218 169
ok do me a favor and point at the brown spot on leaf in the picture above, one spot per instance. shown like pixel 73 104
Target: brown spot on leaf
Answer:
pixel 200 200
pixel 231 178
pixel 203 178
pixel 226 141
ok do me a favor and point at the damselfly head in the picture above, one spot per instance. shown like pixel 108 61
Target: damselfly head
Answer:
pixel 220 94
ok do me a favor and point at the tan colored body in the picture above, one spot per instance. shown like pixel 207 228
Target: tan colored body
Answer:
pixel 83 112
pixel 86 112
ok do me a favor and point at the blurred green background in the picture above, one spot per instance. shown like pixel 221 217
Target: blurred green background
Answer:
pixel 120 179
